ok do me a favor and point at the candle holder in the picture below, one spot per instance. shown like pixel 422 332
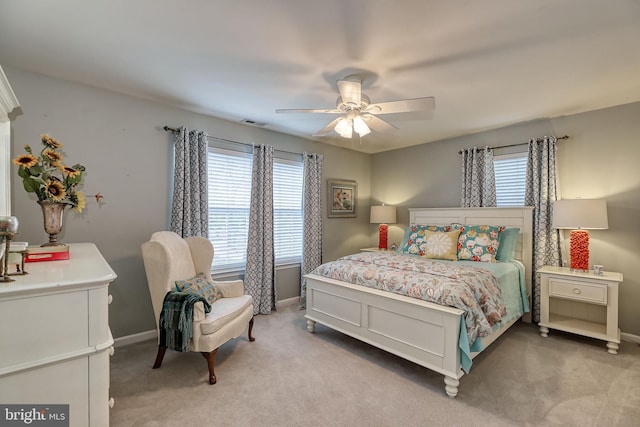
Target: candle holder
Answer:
pixel 8 229
pixel 7 237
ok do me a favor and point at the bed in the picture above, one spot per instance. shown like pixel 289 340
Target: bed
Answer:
pixel 423 332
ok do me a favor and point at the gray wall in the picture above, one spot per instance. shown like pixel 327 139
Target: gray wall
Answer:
pixel 600 160
pixel 128 159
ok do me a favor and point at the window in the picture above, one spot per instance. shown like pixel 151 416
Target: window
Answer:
pixel 510 171
pixel 287 210
pixel 230 200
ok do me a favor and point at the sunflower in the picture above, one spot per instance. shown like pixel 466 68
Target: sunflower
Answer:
pixel 55 190
pixel 70 172
pixel 48 178
pixel 80 201
pixel 50 141
pixel 26 161
pixel 53 156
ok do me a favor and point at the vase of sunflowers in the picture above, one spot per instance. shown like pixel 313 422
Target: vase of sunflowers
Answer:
pixel 54 184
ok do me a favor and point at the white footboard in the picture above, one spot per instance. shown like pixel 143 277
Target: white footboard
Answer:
pixel 416 330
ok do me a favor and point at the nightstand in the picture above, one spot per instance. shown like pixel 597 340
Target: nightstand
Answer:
pixel 372 250
pixel 580 303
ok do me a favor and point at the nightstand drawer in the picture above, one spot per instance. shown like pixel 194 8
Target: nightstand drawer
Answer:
pixel 578 291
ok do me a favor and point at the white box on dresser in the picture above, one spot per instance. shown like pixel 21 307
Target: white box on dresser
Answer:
pixel 55 337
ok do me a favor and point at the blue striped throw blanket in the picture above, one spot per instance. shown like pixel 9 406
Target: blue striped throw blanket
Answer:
pixel 176 319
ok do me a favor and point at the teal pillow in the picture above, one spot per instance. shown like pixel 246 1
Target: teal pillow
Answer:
pixel 508 240
pixel 414 235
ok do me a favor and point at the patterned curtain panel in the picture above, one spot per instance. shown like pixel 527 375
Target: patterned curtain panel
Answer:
pixel 189 207
pixel 478 178
pixel 260 278
pixel 312 220
pixel 541 191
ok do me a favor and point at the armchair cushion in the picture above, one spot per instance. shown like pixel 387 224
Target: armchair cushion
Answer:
pixel 223 311
pixel 199 285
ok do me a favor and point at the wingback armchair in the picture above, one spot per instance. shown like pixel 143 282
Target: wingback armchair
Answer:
pixel 169 258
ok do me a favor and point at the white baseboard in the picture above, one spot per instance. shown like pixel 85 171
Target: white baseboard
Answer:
pixel 630 337
pixel 135 338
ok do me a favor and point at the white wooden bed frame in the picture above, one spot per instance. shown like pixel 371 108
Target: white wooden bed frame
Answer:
pixel 416 330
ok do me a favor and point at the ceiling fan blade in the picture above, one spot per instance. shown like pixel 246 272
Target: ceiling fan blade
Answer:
pixel 403 106
pixel 308 110
pixel 328 128
pixel 350 92
pixel 377 124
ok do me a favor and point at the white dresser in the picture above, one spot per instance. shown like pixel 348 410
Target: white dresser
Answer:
pixel 55 340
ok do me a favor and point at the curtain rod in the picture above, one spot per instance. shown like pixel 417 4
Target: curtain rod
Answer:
pixel 517 145
pixel 174 130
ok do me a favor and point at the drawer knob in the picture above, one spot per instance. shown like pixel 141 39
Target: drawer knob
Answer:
pixel 110 298
pixel 577 291
pixel 111 402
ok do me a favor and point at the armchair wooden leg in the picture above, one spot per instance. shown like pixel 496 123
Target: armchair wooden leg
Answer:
pixel 211 362
pixel 251 338
pixel 159 357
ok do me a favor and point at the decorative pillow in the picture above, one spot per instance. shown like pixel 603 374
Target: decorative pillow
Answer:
pixel 441 244
pixel 508 240
pixel 478 242
pixel 414 235
pixel 199 285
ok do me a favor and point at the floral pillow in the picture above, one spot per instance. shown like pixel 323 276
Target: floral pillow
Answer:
pixel 414 237
pixel 199 285
pixel 478 242
pixel 441 244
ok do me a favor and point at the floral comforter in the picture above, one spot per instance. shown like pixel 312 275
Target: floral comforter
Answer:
pixel 472 289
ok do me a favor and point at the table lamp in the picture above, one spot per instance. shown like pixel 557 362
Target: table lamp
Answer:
pixel 580 215
pixel 383 215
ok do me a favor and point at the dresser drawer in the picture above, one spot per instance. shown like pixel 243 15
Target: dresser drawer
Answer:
pixel 578 291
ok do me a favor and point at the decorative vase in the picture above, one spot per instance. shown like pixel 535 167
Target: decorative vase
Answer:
pixel 52 213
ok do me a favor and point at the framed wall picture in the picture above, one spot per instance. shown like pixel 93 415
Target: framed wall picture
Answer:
pixel 342 196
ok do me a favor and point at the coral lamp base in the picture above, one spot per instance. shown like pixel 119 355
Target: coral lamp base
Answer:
pixel 579 250
pixel 383 229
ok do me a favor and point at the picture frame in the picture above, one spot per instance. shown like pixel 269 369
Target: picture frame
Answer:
pixel 342 197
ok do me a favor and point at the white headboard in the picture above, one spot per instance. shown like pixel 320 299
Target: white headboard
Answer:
pixel 508 217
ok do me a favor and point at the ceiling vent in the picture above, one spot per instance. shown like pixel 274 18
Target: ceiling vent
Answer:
pixel 252 122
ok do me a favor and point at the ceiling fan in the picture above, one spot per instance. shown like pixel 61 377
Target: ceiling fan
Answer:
pixel 358 114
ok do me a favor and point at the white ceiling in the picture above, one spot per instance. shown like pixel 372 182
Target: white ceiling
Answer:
pixel 488 63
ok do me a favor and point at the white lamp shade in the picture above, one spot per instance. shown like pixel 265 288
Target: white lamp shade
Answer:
pixel 580 213
pixel 383 214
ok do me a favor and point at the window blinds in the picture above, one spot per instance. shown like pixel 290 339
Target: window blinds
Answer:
pixel 229 203
pixel 229 200
pixel 287 210
pixel 510 171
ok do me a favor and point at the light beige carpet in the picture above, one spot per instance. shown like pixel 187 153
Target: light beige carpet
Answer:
pixel 289 377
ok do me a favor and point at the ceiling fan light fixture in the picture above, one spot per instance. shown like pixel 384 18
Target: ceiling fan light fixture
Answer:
pixel 344 127
pixel 359 115
pixel 360 126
